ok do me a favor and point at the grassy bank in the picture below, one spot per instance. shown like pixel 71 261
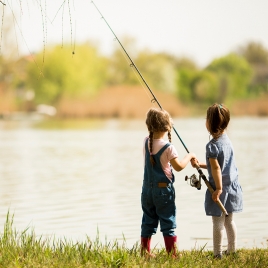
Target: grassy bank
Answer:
pixel 24 249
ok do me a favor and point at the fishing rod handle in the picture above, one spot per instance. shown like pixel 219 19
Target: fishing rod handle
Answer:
pixel 218 202
pixel 211 190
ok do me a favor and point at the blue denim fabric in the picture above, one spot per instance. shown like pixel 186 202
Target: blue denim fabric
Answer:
pixel 158 204
pixel 232 195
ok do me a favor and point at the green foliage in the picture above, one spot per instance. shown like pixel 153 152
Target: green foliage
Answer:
pixel 186 71
pixel 62 74
pixel 224 79
pixel 205 86
pixel 196 85
pixel 185 79
pixel 120 70
pixel 56 74
pixel 184 63
pixel 234 75
pixel 254 53
pixel 257 56
pixel 119 66
pixel 157 69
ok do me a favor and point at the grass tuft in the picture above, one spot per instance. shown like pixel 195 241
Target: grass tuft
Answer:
pixel 24 249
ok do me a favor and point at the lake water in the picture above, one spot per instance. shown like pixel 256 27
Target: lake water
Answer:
pixel 87 182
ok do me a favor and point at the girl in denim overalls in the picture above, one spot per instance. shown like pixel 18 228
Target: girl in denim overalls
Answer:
pixel 158 193
pixel 223 176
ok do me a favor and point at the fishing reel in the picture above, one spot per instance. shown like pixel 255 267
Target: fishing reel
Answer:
pixel 194 181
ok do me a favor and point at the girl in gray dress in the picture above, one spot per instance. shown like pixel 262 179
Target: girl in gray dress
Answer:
pixel 223 176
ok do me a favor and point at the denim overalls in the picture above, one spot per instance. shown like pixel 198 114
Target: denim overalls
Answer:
pixel 157 197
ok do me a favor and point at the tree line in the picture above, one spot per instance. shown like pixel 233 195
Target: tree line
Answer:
pixel 59 72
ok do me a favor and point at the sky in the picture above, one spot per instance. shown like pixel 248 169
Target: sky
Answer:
pixel 199 29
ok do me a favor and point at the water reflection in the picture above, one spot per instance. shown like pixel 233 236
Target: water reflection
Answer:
pixel 87 182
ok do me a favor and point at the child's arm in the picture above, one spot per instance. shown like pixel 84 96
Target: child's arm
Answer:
pixel 180 165
pixel 216 174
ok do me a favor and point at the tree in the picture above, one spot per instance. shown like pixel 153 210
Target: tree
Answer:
pixel 157 69
pixel 234 74
pixel 65 75
pixel 120 71
pixel 257 56
pixel 197 85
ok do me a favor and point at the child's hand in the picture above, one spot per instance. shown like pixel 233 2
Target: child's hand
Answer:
pixel 192 155
pixel 216 195
pixel 194 162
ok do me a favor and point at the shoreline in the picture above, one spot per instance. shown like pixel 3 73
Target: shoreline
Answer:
pixel 133 102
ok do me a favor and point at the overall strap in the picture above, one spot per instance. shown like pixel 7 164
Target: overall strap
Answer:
pixel 163 149
pixel 160 151
pixel 146 146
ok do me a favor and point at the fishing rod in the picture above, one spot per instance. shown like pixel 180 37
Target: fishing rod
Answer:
pixel 201 174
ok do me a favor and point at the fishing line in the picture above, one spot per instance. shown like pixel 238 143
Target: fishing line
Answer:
pixel 32 57
pixel 62 20
pixel 2 26
pixel 73 42
pixel 71 26
pixel 17 41
pixel 62 5
pixel 44 29
pixel 201 175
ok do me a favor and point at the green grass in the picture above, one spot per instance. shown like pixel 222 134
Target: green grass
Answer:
pixel 24 249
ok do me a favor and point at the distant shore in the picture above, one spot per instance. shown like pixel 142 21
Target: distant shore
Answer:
pixel 134 102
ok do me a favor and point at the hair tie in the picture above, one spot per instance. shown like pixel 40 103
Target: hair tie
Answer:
pixel 220 106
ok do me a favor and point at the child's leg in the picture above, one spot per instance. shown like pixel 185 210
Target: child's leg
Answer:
pixel 166 211
pixel 231 232
pixel 218 232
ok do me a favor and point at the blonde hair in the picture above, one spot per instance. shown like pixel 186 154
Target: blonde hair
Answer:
pixel 157 120
pixel 218 117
